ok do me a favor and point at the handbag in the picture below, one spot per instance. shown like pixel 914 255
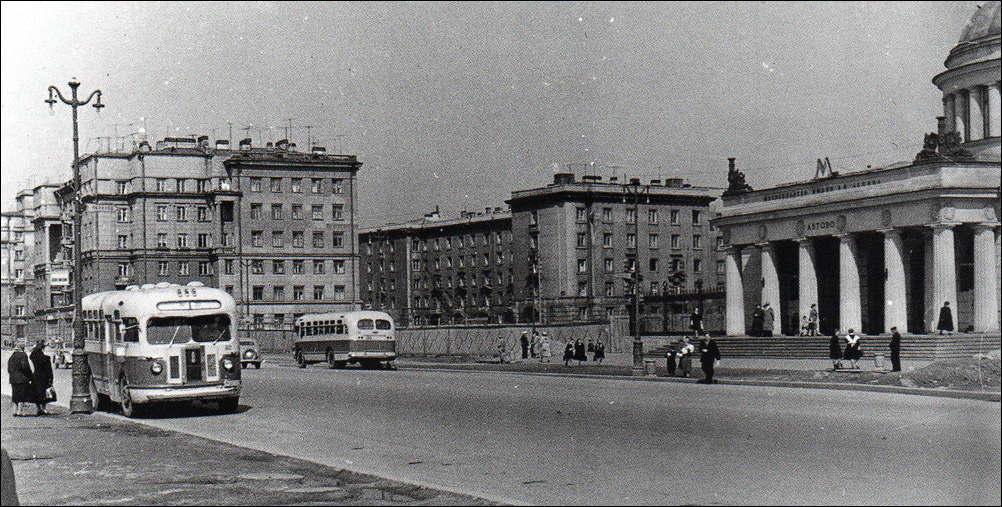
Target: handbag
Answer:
pixel 50 394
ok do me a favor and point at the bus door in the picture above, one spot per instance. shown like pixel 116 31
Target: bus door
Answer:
pixel 116 352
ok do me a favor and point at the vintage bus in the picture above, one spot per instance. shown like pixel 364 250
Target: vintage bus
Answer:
pixel 160 343
pixel 364 337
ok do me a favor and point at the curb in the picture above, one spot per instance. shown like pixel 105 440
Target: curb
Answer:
pixel 918 391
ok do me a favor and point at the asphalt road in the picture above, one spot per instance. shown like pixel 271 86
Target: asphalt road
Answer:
pixel 559 440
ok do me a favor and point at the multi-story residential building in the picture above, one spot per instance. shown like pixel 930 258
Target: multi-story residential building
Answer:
pixel 563 253
pixel 273 226
pixel 16 244
pixel 439 270
pixel 582 245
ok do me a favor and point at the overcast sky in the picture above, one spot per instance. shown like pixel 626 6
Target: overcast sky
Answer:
pixel 458 104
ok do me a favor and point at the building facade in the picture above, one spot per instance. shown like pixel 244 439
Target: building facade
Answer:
pixel 888 246
pixel 273 226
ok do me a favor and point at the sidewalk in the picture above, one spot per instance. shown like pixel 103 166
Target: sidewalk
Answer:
pixel 73 459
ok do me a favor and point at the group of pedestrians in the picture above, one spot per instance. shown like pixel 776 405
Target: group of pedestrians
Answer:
pixel 853 351
pixel 678 359
pixel 537 346
pixel 763 320
pixel 30 379
pixel 578 351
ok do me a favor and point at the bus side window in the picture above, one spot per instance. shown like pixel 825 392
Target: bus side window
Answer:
pixel 115 336
pixel 131 327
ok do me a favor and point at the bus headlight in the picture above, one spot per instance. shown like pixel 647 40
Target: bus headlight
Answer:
pixel 227 363
pixel 156 368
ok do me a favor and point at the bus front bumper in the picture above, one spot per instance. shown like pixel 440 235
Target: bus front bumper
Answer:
pixel 155 394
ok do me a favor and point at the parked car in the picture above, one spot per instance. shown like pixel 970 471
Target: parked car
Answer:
pixel 250 353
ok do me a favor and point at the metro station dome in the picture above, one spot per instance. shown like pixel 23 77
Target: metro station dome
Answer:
pixel 970 85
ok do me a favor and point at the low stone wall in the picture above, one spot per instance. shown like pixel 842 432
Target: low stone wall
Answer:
pixel 482 340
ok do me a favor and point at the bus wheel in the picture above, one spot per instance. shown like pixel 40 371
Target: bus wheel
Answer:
pixel 130 409
pixel 300 359
pixel 229 405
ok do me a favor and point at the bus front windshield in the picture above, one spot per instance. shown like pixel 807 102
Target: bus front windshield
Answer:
pixel 179 330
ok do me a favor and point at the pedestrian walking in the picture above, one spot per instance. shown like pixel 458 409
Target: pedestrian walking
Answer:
pixel 768 320
pixel 945 319
pixel 852 348
pixel 895 347
pixel 709 356
pixel 599 352
pixel 757 320
pixel 42 379
pixel 813 320
pixel 591 346
pixel 524 339
pixel 696 321
pixel 21 376
pixel 568 353
pixel 579 351
pixel 544 350
pixel 685 357
pixel 670 357
pixel 534 351
pixel 835 350
pixel 502 350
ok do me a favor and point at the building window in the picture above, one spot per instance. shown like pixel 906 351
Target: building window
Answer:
pixel 123 270
pixel 297 211
pixel 582 288
pixel 337 186
pixel 337 212
pixel 182 268
pixel 204 268
pixel 653 264
pixel 720 267
pixel 608 264
pixel 316 185
pixel 582 240
pixel 278 293
pixel 258 320
pixel 298 292
pixel 276 211
pixel 339 292
pixel 446 241
pixel 720 242
pixel 161 213
pixel 697 265
pixel 256 238
pixel 297 267
pixel 203 240
pixel 337 240
pixel 318 267
pixel 581 215
pixel 675 241
pixel 631 240
pixel 533 241
pixel 696 216
pixel 255 184
pixel 122 187
pixel 181 213
pixel 582 266
pixel 652 241
pixel 163 268
pixel 161 184
pixel 318 211
pixel 182 240
pixel 652 217
pixel 278 267
pixel 277 239
pixel 697 242
pixel 678 264
pixel 296 186
pixel 280 317
pixel 607 214
pixel 123 242
pixel 318 292
pixel 203 214
pixel 161 240
pixel 673 216
pixel 228 266
pixel 201 185
pixel 257 293
pixel 276 185
pixel 298 240
pixel 416 265
pixel 610 289
pixel 257 267
pixel 181 184
pixel 227 239
pixel 123 214
pixel 255 211
pixel 318 239
pixel 631 215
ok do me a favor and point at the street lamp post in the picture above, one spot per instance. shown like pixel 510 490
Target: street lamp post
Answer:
pixel 80 402
pixel 636 277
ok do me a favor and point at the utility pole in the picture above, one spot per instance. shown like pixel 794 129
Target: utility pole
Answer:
pixel 80 402
pixel 635 278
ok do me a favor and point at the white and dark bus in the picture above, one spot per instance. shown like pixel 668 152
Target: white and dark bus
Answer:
pixel 160 343
pixel 364 337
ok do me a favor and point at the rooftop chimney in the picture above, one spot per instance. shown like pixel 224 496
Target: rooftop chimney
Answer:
pixel 730 164
pixel 222 144
pixel 941 125
pixel 282 144
pixel 563 178
pixel 245 144
pixel 318 150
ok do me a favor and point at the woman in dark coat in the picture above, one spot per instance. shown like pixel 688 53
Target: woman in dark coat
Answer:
pixel 670 356
pixel 579 351
pixel 757 320
pixel 709 354
pixel 599 352
pixel 568 353
pixel 835 350
pixel 21 389
pixel 945 319
pixel 42 379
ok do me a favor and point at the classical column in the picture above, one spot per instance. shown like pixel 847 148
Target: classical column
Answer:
pixel 976 115
pixel 944 272
pixel 895 299
pixel 986 297
pixel 850 309
pixel 735 293
pixel 994 103
pixel 808 277
pixel 949 112
pixel 770 282
pixel 960 114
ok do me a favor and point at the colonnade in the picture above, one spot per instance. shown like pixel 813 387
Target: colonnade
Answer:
pixel 974 112
pixel 943 280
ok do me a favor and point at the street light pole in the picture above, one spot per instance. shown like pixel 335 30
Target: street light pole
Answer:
pixel 638 344
pixel 80 402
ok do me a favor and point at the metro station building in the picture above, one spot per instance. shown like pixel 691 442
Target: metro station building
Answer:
pixel 887 246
